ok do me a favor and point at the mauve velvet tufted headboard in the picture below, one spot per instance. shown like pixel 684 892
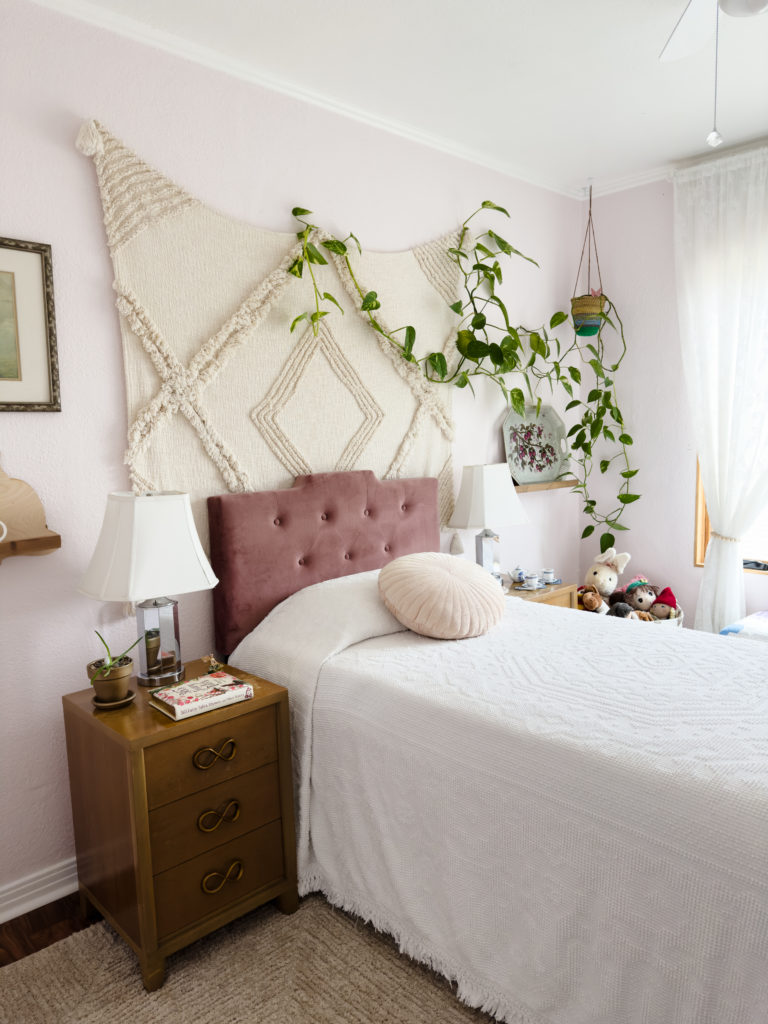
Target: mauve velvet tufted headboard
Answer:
pixel 267 545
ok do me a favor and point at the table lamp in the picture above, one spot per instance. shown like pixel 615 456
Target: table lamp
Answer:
pixel 487 496
pixel 149 546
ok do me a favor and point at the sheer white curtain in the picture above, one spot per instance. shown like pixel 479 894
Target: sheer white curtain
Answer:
pixel 721 260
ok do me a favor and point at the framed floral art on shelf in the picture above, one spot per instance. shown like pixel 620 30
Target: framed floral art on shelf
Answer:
pixel 535 446
pixel 29 369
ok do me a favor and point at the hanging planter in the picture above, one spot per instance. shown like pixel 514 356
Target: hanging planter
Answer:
pixel 587 309
pixel 586 312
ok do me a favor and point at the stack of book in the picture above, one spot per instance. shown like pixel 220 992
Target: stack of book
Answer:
pixel 195 696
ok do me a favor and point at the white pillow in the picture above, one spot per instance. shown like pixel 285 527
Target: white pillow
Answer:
pixel 441 596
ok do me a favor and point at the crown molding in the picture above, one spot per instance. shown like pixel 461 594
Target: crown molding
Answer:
pixel 159 39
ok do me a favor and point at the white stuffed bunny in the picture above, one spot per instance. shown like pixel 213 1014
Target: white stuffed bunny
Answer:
pixel 604 573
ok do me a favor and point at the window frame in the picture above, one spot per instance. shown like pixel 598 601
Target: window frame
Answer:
pixel 703 527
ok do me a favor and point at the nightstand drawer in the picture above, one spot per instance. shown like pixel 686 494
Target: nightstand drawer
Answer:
pixel 208 756
pixel 204 885
pixel 189 827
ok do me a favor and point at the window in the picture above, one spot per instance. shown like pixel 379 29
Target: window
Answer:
pixel 754 544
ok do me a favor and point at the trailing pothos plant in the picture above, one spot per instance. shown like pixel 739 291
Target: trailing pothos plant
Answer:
pixel 488 344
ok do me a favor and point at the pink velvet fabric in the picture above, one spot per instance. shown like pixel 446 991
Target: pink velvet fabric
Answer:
pixel 266 545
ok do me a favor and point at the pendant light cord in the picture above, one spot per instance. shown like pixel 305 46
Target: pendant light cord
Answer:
pixel 717 48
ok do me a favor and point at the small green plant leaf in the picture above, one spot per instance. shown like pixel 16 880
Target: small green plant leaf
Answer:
pixel 477 350
pixel 627 499
pixel 629 473
pixel 517 401
pixel 573 404
pixel 297 267
pixel 370 301
pixel 462 380
pixel 298 319
pixel 457 306
pixel 330 298
pixel 496 354
pixel 438 363
pixel 587 531
pixel 604 464
pixel 625 439
pixel 335 246
pixel 575 374
pixel 315 256
pixel 410 338
pixel 317 316
pixel 299 211
pixel 488 205
pixel 607 540
pixel 478 321
pixel 557 319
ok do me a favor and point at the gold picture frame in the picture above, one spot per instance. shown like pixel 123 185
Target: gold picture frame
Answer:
pixel 29 367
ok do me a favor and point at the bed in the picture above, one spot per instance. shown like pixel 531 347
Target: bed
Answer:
pixel 567 817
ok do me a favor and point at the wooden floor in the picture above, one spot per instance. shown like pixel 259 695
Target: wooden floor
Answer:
pixel 40 928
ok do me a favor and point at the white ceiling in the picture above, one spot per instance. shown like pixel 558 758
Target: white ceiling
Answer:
pixel 558 92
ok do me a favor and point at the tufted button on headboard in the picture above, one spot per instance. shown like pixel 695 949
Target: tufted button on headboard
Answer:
pixel 266 545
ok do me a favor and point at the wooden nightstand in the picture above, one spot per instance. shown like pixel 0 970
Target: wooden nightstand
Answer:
pixel 562 594
pixel 183 826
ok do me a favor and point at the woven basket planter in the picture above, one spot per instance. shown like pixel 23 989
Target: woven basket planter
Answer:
pixel 586 310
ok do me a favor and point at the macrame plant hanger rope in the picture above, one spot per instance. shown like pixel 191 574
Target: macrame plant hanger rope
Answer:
pixel 586 309
pixel 589 236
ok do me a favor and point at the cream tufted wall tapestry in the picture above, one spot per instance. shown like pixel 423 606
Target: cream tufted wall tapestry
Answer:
pixel 220 395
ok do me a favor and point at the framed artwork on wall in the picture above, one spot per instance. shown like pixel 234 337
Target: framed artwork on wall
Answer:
pixel 29 368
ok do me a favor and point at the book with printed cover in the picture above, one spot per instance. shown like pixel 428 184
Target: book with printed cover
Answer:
pixel 204 693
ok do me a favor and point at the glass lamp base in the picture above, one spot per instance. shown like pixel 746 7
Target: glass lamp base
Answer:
pixel 160 653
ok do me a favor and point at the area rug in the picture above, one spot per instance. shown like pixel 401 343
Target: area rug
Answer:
pixel 317 966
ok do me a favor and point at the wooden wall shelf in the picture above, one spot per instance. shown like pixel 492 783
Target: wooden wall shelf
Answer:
pixel 549 486
pixel 22 512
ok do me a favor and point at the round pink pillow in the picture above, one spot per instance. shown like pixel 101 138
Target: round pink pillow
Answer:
pixel 441 596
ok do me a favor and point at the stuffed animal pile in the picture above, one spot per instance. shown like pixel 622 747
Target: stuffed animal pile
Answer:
pixel 639 599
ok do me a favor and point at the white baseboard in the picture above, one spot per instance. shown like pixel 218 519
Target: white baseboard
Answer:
pixel 38 889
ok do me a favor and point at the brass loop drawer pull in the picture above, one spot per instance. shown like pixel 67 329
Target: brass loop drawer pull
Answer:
pixel 206 757
pixel 210 820
pixel 214 881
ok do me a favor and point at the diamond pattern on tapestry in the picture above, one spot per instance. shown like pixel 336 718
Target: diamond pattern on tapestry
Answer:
pixel 287 390
pixel 220 394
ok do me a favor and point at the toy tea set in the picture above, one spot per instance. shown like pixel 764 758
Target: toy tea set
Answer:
pixel 532 580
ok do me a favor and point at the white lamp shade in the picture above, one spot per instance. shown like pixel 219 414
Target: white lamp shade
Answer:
pixel 487 498
pixel 148 548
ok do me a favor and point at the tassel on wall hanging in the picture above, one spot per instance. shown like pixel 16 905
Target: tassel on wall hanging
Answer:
pixel 586 309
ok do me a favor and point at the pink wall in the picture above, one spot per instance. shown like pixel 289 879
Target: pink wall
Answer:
pixel 634 238
pixel 253 154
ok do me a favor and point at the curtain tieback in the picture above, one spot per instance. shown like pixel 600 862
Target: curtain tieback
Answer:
pixel 720 536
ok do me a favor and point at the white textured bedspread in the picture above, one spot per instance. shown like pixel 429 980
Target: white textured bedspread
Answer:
pixel 567 816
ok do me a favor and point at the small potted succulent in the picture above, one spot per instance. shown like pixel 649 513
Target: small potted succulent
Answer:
pixel 109 676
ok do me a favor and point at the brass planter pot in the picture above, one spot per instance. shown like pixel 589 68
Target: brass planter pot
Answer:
pixel 113 684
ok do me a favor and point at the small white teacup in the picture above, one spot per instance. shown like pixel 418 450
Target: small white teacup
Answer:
pixel 531 580
pixel 548 575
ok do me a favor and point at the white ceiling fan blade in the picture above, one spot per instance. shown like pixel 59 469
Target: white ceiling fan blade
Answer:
pixel 694 28
pixel 743 8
